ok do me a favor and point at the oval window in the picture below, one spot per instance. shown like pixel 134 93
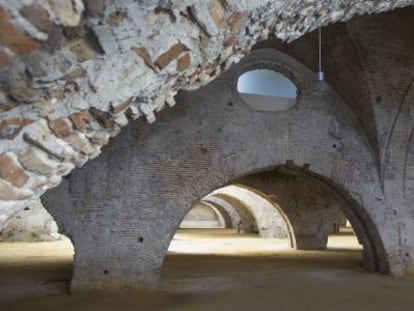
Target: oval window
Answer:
pixel 267 90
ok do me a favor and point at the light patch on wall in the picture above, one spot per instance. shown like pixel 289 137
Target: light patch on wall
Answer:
pixel 267 90
pixel 202 216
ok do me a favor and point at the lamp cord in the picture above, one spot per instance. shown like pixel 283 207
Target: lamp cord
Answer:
pixel 320 50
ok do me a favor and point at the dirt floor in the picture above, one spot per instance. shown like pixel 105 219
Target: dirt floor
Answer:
pixel 211 270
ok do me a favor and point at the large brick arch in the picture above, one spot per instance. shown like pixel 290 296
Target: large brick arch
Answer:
pixel 122 209
pixel 227 220
pixel 270 223
pixel 312 202
pixel 238 209
pixel 359 208
pixel 70 80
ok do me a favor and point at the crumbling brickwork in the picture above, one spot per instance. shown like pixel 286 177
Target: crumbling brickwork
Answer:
pixel 73 72
pixel 122 209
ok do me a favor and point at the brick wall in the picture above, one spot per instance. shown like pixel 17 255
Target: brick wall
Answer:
pixel 122 209
pixel 73 72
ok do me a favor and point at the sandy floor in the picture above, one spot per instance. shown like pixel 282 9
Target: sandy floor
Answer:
pixel 211 271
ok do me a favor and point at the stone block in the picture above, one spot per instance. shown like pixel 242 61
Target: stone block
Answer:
pixel 164 59
pixel 61 127
pixel 13 37
pixel 48 143
pixel 94 7
pixel 235 21
pixel 33 160
pixel 80 143
pixel 183 62
pixel 8 192
pixel 38 16
pixel 103 118
pixel 55 39
pixel 69 12
pixel 82 49
pixel 106 40
pixel 170 100
pixel 115 109
pixel 10 128
pixel 11 171
pixel 75 73
pixel 205 21
pixel 115 18
pixel 229 42
pixel 81 120
pixel 215 9
pixel 98 138
pixel 23 93
pixel 5 58
pixel 143 53
pixel 46 66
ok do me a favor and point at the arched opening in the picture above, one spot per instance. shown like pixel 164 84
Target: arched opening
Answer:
pixel 307 214
pixel 134 196
pixel 373 253
pixel 121 239
pixel 254 218
pixel 32 224
pixel 203 215
pixel 266 90
pixel 316 211
pixel 35 256
pixel 236 209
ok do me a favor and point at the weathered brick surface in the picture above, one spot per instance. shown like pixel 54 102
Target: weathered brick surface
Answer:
pixel 79 66
pixel 183 62
pixel 117 108
pixel 35 88
pixel 61 127
pixel 225 208
pixel 143 53
pixel 145 182
pixel 104 118
pixel 167 57
pixel 80 143
pixel 10 171
pixel 38 16
pixel 9 129
pixel 268 220
pixel 216 10
pixel 94 7
pixel 235 21
pixel 80 120
pixel 230 41
pixel 8 192
pixel 5 58
pixel 14 38
pixel 33 161
pixel 312 207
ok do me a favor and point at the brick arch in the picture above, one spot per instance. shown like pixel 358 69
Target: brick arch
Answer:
pixel 312 203
pixel 222 214
pixel 270 223
pixel 180 46
pixel 398 172
pixel 369 233
pixel 122 209
pixel 202 215
pixel 232 215
pixel 242 213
